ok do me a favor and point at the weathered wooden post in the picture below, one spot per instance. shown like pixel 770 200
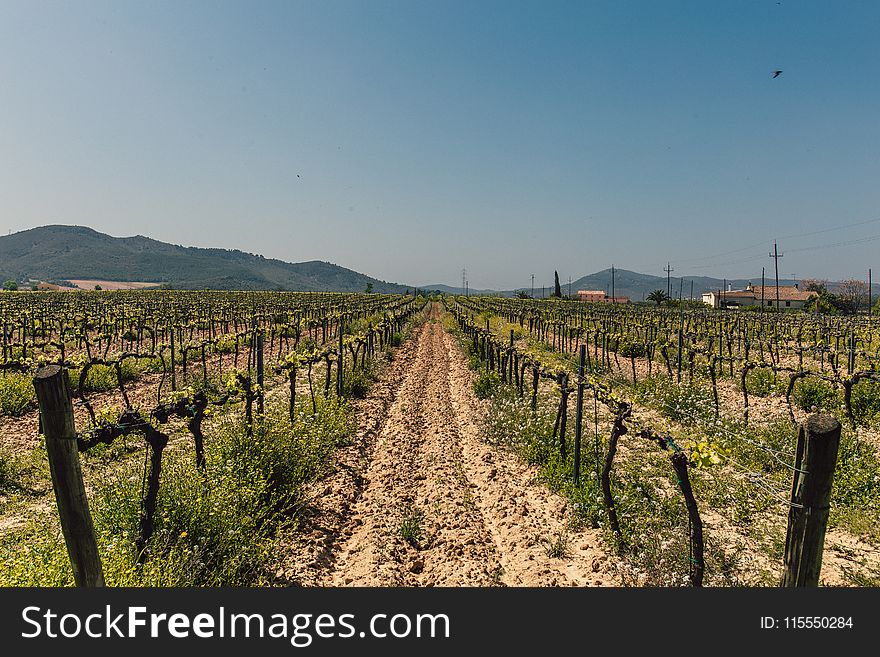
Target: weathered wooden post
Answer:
pixel 818 442
pixel 56 412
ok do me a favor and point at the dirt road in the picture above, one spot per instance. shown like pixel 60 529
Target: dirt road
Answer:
pixel 422 500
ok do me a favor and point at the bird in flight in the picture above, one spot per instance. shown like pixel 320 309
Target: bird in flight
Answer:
pixel 776 74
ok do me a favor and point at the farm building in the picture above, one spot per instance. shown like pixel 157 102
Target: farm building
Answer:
pixel 598 296
pixel 790 296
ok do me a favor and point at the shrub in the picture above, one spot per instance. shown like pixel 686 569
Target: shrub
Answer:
pixel 7 470
pixel 16 393
pixel 356 383
pixel 865 402
pixel 102 378
pixel 486 384
pixel 810 391
pixel 686 403
pixel 510 421
pixel 633 350
pixel 761 381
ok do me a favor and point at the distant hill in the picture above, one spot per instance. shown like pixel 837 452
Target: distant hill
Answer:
pixel 59 253
pixel 448 289
pixel 636 286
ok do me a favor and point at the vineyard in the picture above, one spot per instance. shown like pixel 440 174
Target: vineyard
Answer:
pixel 275 438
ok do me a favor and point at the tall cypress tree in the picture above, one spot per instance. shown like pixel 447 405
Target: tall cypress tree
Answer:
pixel 557 291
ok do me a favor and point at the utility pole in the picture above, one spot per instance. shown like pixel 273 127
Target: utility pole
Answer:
pixel 569 287
pixel 463 278
pixel 870 292
pixel 668 271
pixel 533 286
pixel 612 284
pixel 776 256
pixel 692 289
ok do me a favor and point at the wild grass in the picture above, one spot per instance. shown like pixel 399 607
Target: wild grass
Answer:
pixel 215 527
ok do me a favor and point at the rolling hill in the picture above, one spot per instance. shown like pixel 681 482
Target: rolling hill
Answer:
pixel 58 253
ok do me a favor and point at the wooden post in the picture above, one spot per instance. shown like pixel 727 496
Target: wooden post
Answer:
pixel 579 411
pixel 56 412
pixel 818 442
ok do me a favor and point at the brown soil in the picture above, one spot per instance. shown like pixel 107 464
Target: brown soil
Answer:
pixel 482 518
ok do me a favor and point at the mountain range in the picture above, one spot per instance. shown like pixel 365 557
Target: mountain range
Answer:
pixel 57 254
pixel 64 253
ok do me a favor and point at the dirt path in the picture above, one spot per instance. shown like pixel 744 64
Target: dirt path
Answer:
pixel 476 517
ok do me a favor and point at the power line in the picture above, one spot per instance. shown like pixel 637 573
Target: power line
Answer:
pixel 784 237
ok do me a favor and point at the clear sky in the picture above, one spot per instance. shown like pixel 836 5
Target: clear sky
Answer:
pixel 407 140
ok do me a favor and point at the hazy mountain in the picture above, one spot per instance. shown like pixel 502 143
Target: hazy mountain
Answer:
pixel 56 253
pixel 637 286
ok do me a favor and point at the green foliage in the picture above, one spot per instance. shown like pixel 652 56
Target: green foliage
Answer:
pixel 16 393
pixel 558 547
pixel 855 493
pixel 510 421
pixel 216 528
pixel 632 350
pixel 8 470
pixel 688 403
pixel 356 383
pixel 485 384
pixel 811 392
pixel 865 400
pixel 102 378
pixel 10 285
pixel 761 381
pixel 410 526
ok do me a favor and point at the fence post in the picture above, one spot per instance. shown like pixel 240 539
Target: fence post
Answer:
pixel 818 442
pixel 579 411
pixel 56 411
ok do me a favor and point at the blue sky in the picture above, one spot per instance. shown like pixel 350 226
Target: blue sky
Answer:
pixel 410 139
